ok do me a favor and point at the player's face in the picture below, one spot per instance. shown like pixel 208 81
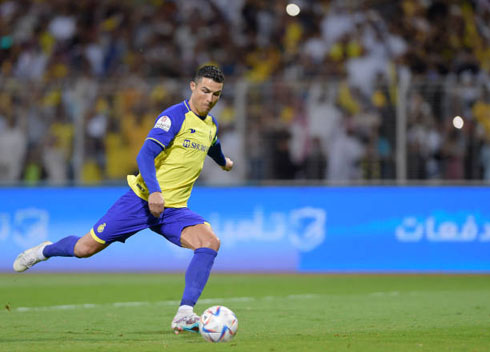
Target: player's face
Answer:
pixel 205 95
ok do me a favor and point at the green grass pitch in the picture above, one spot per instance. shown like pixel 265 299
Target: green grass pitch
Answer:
pixel 132 312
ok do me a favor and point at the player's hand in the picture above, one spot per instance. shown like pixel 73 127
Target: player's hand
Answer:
pixel 156 204
pixel 229 164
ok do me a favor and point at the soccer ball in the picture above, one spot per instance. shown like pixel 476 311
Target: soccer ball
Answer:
pixel 218 324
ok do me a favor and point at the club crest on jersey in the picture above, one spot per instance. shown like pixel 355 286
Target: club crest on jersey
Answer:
pixel 164 123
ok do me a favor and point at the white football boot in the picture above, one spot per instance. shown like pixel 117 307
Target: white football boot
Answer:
pixel 29 257
pixel 185 321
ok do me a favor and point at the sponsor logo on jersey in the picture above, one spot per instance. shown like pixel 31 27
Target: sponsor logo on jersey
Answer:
pixel 193 145
pixel 164 123
pixel 101 227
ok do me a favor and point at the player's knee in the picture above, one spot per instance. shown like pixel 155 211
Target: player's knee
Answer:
pixel 208 241
pixel 199 236
pixel 213 242
pixel 84 251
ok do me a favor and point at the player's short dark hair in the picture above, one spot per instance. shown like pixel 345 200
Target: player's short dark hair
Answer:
pixel 209 71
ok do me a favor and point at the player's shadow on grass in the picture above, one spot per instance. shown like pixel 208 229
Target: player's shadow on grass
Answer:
pixel 149 332
pixel 167 333
pixel 105 336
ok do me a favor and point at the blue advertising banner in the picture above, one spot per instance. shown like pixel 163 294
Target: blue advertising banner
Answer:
pixel 293 229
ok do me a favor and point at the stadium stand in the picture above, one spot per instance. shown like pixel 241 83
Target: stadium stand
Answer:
pixel 347 91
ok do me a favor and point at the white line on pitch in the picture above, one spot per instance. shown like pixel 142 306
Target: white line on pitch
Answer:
pixel 157 303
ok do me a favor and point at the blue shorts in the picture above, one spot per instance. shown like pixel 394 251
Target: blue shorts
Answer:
pixel 131 214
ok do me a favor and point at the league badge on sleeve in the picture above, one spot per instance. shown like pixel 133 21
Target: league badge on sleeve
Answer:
pixel 164 123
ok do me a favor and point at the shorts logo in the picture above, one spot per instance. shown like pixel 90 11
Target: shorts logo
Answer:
pixel 192 130
pixel 164 123
pixel 101 228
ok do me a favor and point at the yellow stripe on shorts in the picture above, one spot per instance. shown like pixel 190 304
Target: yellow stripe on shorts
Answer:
pixel 94 236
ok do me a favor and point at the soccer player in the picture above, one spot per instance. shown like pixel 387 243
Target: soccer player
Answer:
pixel 169 163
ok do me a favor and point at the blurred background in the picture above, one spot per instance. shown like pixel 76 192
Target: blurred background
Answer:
pixel 328 108
pixel 343 92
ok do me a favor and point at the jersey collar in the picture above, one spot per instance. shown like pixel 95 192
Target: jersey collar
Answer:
pixel 186 103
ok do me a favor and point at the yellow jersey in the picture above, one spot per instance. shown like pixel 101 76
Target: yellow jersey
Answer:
pixel 186 139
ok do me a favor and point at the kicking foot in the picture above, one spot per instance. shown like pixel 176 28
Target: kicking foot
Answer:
pixel 188 322
pixel 29 257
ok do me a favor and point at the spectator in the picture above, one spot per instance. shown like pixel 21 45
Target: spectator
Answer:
pixel 344 154
pixel 13 143
pixel 315 164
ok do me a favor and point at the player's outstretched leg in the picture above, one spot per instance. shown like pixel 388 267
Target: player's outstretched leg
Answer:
pixel 29 257
pixel 63 248
pixel 71 246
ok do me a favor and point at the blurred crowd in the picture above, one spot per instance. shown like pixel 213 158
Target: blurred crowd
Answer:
pixel 319 96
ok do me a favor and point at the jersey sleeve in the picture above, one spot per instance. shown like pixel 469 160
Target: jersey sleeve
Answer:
pixel 166 128
pixel 146 164
pixel 216 153
pixel 216 135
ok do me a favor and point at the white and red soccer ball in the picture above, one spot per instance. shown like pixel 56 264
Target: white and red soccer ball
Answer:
pixel 218 324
